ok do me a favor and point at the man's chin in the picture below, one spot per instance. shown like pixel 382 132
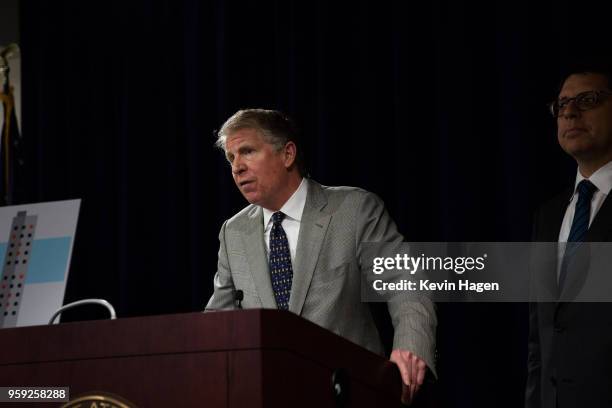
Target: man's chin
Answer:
pixel 579 149
pixel 251 197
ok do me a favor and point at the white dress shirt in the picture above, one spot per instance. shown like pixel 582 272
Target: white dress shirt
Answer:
pixel 602 179
pixel 293 209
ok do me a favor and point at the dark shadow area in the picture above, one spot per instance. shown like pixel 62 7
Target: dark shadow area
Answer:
pixel 437 109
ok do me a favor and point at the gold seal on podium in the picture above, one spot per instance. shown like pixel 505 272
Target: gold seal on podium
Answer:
pixel 98 400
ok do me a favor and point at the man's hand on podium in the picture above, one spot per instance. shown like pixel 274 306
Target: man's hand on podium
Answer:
pixel 412 369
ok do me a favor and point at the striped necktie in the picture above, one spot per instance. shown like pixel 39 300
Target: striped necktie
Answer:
pixel 580 225
pixel 281 271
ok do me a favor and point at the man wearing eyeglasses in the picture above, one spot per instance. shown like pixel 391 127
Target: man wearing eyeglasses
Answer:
pixel 570 344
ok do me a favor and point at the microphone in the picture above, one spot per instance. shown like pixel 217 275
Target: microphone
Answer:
pixel 238 297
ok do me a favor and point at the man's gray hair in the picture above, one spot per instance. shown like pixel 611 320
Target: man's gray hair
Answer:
pixel 275 127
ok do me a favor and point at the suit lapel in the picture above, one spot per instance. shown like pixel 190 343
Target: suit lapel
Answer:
pixel 598 231
pixel 312 233
pixel 551 218
pixel 256 254
pixel 602 223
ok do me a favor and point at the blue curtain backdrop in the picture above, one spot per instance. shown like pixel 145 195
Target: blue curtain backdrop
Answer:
pixel 439 107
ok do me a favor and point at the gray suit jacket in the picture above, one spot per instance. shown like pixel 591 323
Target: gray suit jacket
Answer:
pixel 326 273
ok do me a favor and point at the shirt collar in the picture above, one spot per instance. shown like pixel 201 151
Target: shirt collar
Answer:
pixel 294 207
pixel 602 178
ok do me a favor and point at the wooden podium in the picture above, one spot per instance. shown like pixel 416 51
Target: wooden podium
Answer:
pixel 246 358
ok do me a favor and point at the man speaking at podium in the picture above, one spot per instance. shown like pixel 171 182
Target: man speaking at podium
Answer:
pixel 296 246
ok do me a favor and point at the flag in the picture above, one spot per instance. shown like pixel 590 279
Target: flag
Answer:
pixel 10 160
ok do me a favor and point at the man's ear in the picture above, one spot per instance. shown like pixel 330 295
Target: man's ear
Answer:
pixel 290 152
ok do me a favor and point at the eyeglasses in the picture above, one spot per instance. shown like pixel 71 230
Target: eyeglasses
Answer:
pixel 583 101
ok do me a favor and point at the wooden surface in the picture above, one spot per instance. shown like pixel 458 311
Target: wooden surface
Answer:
pixel 255 358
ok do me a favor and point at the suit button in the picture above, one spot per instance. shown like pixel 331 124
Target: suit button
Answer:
pixel 553 381
pixel 558 328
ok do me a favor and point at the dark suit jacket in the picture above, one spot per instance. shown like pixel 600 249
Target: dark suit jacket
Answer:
pixel 570 344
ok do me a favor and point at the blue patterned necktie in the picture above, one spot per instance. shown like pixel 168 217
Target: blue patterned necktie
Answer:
pixel 281 271
pixel 580 225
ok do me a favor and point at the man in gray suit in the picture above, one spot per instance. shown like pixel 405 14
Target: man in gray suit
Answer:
pixel 297 246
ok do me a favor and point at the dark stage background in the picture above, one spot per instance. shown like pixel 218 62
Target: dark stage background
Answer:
pixel 439 107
